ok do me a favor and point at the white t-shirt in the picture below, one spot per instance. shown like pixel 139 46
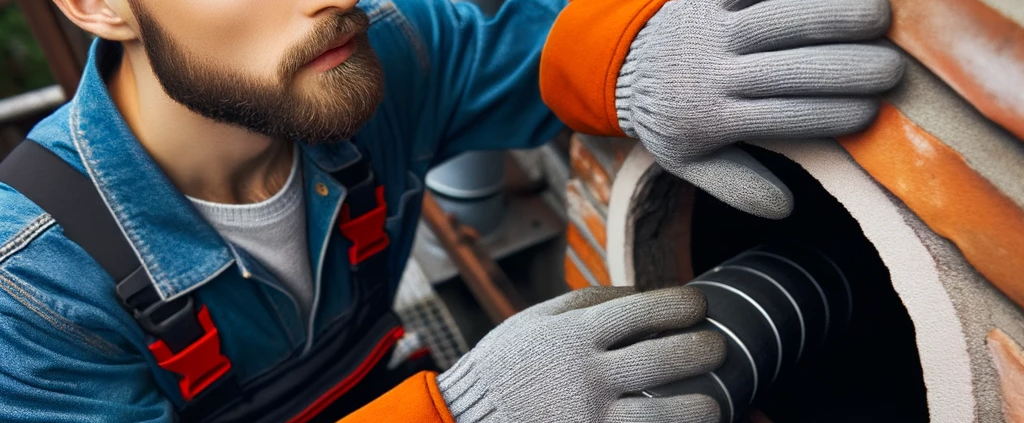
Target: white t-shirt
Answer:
pixel 273 231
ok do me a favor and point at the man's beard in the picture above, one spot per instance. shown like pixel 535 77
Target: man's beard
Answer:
pixel 345 99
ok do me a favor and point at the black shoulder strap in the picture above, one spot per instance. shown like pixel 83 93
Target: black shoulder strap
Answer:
pixel 72 200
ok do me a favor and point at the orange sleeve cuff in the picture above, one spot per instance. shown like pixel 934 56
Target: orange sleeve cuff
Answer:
pixel 416 400
pixel 582 58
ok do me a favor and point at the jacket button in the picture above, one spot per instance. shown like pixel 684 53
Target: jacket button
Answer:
pixel 321 189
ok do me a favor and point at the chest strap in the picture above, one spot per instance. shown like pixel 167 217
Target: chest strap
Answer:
pixel 185 339
pixel 364 214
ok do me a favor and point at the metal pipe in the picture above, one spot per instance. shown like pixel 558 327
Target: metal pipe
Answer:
pixel 485 280
pixel 471 186
pixel 18 107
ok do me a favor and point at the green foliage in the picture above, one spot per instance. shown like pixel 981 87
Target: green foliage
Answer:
pixel 22 63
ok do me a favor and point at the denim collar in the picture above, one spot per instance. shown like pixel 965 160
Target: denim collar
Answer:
pixel 178 248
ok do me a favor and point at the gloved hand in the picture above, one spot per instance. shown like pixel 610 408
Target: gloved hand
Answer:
pixel 555 361
pixel 704 74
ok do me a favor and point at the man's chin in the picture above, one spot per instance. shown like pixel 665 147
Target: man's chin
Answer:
pixel 328 140
pixel 332 106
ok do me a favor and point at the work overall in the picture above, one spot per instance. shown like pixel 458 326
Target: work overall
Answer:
pixel 350 356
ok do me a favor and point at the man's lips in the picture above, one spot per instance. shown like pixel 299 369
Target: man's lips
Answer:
pixel 335 54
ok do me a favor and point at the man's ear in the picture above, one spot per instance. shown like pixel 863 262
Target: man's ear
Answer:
pixel 108 19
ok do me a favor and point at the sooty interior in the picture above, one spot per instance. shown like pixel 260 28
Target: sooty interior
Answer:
pixel 869 373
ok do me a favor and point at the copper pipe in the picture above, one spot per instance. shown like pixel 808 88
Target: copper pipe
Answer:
pixel 487 282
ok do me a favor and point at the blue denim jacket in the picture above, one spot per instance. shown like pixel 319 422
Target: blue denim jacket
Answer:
pixel 455 80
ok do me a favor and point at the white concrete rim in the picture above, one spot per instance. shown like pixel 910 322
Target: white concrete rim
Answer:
pixel 638 167
pixel 941 343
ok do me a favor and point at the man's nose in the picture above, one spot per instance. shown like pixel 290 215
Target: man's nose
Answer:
pixel 315 7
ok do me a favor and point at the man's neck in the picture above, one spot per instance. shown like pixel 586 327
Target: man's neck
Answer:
pixel 204 159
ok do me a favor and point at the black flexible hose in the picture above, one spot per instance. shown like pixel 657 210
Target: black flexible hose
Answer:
pixel 775 304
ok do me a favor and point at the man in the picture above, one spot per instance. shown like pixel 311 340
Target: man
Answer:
pixel 263 160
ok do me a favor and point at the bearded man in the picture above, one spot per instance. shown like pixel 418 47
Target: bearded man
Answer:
pixel 257 168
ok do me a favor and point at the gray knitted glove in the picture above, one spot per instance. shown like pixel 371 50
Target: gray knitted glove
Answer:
pixel 571 360
pixel 704 74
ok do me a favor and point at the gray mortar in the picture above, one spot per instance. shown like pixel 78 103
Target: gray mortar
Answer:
pixel 989 149
pixel 980 308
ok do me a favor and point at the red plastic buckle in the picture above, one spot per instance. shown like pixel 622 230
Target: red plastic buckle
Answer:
pixel 200 364
pixel 366 232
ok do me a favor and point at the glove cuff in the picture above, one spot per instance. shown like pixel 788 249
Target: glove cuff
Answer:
pixel 624 93
pixel 627 81
pixel 464 394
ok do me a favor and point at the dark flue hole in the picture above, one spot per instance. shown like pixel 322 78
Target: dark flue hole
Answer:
pixel 871 372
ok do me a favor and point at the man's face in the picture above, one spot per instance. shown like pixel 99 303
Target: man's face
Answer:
pixel 264 67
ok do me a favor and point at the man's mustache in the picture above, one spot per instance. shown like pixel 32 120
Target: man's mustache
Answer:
pixel 327 31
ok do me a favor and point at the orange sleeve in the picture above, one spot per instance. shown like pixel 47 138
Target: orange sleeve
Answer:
pixel 417 400
pixel 582 58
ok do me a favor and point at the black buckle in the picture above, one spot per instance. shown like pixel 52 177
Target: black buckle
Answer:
pixel 173 322
pixel 136 291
